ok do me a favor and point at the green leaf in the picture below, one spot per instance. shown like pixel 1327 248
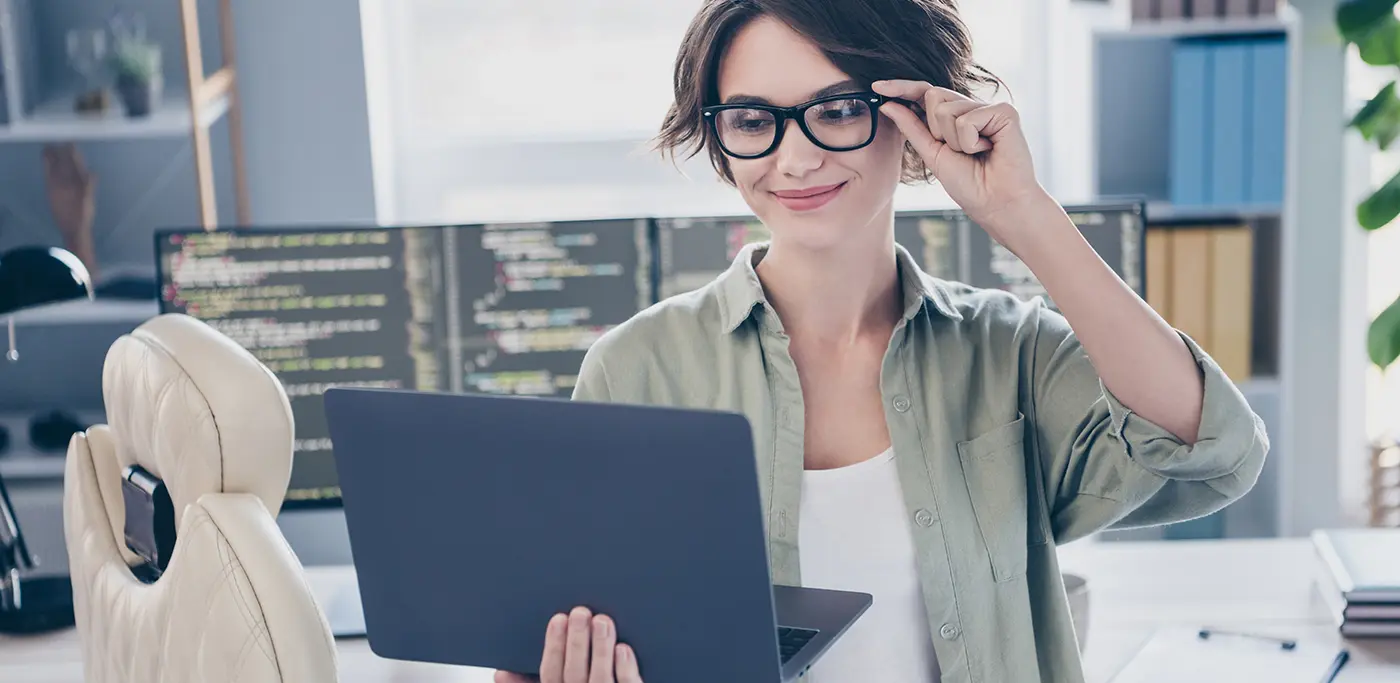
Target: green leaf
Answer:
pixel 1380 46
pixel 1379 209
pixel 1383 339
pixel 1379 120
pixel 1356 18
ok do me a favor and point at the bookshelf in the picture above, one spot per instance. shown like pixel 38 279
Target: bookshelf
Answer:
pixel 1309 317
pixel 191 108
pixel 1176 102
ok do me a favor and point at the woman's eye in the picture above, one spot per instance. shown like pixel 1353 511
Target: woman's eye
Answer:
pixel 841 111
pixel 750 124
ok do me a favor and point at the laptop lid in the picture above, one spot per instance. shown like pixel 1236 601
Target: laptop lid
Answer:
pixel 474 518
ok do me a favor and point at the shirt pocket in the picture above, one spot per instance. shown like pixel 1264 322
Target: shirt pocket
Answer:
pixel 994 465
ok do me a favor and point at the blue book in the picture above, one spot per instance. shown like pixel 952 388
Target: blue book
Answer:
pixel 1190 108
pixel 1269 116
pixel 1229 137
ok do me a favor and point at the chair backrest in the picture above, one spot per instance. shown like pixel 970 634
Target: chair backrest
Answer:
pixel 193 408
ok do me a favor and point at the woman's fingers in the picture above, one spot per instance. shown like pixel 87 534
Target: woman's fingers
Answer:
pixel 946 111
pixel 576 649
pixel 991 120
pixel 943 122
pixel 627 669
pixel 582 648
pixel 915 130
pixel 555 639
pixel 604 641
pixel 914 91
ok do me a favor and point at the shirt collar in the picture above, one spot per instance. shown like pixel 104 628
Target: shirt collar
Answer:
pixel 740 291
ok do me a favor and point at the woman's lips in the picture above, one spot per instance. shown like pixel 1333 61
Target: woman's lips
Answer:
pixel 809 198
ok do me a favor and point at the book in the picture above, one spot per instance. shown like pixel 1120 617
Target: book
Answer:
pixel 1200 279
pixel 1268 114
pixel 1232 300
pixel 1355 619
pixel 1228 134
pixel 1363 564
pixel 1189 136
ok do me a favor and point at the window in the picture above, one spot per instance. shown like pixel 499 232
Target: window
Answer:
pixel 542 109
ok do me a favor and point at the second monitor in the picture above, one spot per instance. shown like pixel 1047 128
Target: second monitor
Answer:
pixel 946 244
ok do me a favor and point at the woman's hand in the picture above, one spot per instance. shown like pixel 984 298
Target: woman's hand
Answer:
pixel 581 648
pixel 976 150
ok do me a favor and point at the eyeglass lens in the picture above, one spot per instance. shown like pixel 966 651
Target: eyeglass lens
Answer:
pixel 836 124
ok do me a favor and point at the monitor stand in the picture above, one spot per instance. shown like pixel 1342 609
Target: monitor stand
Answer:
pixel 318 536
pixel 322 544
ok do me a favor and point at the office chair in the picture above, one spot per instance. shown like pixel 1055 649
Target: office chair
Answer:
pixel 190 471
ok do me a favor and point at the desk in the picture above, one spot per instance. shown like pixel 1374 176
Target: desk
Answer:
pixel 1135 587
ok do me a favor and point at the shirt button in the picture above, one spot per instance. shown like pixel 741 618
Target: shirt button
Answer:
pixel 901 404
pixel 923 517
pixel 949 632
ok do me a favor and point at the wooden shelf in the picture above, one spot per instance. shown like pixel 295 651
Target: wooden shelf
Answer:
pixel 188 110
pixel 1191 28
pixel 55 121
pixel 88 312
pixel 27 465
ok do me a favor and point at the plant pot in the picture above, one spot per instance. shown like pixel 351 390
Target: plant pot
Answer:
pixel 139 97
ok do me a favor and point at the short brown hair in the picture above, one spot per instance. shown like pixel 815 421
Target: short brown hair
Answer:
pixel 870 40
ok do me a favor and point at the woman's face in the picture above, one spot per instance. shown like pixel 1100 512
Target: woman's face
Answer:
pixel 804 194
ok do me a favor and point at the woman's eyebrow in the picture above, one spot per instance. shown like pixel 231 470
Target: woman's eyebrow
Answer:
pixel 848 85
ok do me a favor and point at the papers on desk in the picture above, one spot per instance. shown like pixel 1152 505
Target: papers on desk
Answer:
pixel 1180 655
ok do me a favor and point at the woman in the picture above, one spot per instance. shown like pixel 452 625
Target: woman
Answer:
pixel 936 441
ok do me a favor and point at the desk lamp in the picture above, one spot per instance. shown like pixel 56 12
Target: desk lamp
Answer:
pixel 32 276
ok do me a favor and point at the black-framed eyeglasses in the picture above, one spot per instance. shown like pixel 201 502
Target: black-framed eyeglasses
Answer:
pixel 836 123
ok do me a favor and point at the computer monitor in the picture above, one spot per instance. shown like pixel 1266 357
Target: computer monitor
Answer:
pixel 1117 232
pixel 945 243
pixel 500 308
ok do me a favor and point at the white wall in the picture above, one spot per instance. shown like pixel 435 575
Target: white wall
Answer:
pixel 305 111
pixel 512 155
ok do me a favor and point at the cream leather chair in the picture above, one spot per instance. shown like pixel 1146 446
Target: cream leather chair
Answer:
pixel 195 409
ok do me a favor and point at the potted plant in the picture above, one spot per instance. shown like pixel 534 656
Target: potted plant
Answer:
pixel 136 64
pixel 1372 25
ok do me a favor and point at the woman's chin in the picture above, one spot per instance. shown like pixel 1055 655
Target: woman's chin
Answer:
pixel 811 234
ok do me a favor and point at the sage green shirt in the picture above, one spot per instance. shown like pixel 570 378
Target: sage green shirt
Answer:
pixel 1006 442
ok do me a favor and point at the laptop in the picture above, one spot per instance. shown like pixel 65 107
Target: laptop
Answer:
pixel 475 518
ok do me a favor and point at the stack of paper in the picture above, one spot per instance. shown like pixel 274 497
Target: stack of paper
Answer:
pixel 1360 580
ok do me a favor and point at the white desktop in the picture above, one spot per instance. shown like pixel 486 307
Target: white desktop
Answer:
pixel 1137 591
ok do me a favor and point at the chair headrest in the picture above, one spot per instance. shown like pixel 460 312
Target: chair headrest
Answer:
pixel 199 411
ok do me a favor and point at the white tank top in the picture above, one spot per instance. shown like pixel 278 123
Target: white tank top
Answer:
pixel 854 534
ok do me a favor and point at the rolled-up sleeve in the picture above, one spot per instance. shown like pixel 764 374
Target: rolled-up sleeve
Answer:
pixel 1108 467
